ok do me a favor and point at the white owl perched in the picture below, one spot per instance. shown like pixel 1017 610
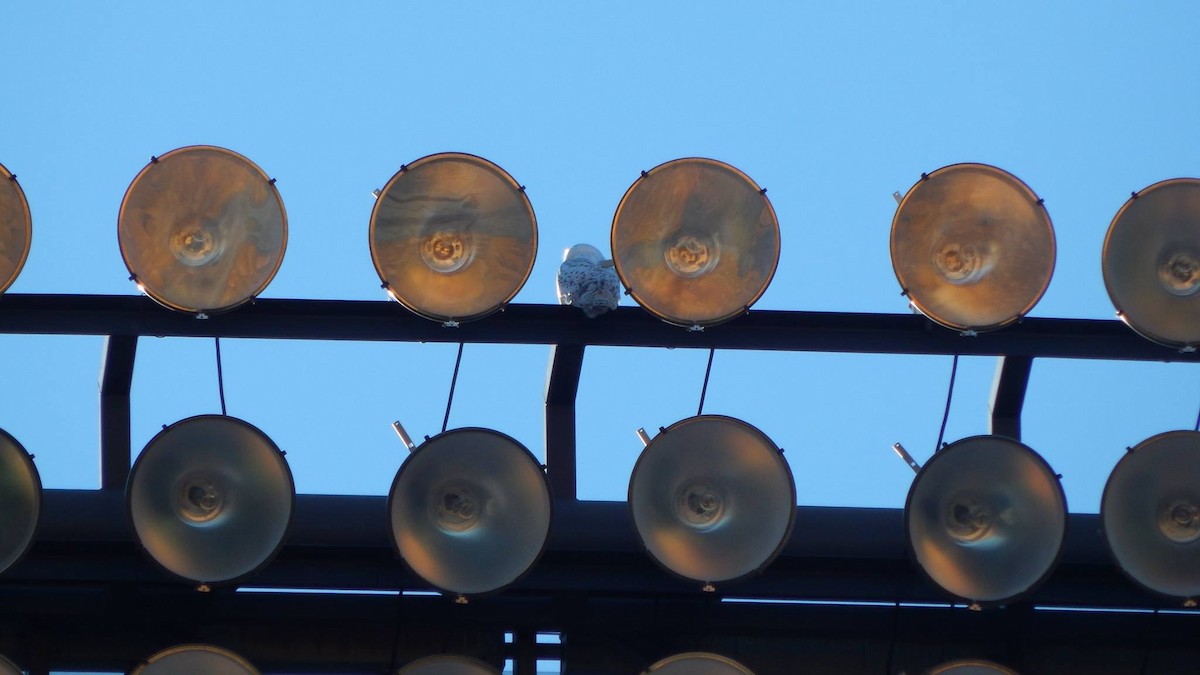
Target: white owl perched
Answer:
pixel 588 281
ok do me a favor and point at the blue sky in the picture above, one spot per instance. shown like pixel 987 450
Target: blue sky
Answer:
pixel 831 106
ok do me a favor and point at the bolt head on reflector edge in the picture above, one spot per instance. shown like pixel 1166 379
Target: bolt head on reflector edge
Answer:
pixel 986 519
pixel 695 241
pixel 211 499
pixel 202 229
pixel 973 247
pixel 453 237
pixel 712 499
pixel 470 511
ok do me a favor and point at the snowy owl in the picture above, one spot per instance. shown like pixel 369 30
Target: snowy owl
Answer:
pixel 587 281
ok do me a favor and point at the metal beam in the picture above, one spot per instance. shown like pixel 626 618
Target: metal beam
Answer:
pixel 116 380
pixel 562 385
pixel 1008 395
pixel 561 325
pixel 343 542
pixel 113 628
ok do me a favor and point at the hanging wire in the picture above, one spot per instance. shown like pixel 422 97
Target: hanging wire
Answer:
pixel 949 397
pixel 453 382
pixel 704 389
pixel 891 655
pixel 395 659
pixel 220 376
pixel 1149 642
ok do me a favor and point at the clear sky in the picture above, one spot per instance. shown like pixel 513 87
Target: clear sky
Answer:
pixel 831 106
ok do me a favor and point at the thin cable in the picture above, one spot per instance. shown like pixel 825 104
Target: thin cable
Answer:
pixel 395 660
pixel 704 389
pixel 891 655
pixel 453 382
pixel 1149 642
pixel 220 376
pixel 949 397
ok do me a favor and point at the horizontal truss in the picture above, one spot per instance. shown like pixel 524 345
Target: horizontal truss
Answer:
pixel 86 597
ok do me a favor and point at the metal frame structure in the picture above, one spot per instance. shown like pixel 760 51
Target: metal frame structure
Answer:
pixel 843 596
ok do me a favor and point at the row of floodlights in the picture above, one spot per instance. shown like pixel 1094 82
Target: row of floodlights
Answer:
pixel 202 658
pixel 694 241
pixel 711 498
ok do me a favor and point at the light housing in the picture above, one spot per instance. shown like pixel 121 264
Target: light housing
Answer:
pixel 453 237
pixel 470 511
pixel 695 241
pixel 712 499
pixel 448 664
pixel 195 658
pixel 972 247
pixel 20 501
pixel 1150 511
pixel 210 499
pixel 1151 262
pixel 202 229
pixel 986 518
pixel 697 663
pixel 16 228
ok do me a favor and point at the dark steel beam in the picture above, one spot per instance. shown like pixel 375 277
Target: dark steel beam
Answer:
pixel 339 542
pixel 112 628
pixel 1008 395
pixel 561 325
pixel 562 384
pixel 116 379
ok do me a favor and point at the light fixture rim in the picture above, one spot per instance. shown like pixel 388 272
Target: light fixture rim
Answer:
pixel 784 465
pixel 549 493
pixel 1020 185
pixel 1062 537
pixel 942 667
pixel 1122 314
pixel 462 658
pixel 5 661
pixel 287 471
pixel 8 176
pixel 711 656
pixel 477 160
pixel 696 159
pixel 1128 456
pixel 204 647
pixel 26 458
pixel 255 168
